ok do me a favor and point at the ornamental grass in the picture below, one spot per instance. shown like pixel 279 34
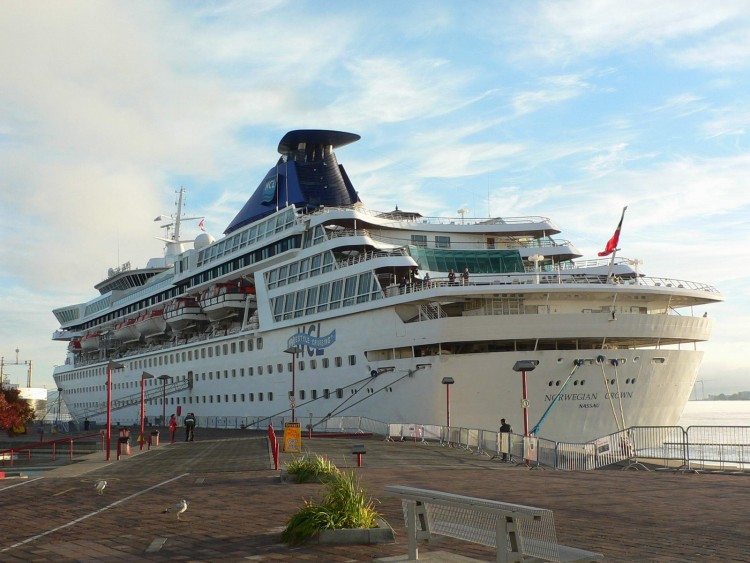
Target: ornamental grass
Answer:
pixel 346 505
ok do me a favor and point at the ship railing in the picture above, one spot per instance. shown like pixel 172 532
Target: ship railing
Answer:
pixel 403 218
pixel 366 256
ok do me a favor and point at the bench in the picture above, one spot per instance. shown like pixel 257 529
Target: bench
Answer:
pixel 520 533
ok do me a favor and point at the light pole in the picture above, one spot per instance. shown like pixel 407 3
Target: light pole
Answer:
pixel 144 376
pixel 293 350
pixel 448 381
pixel 164 379
pixel 111 365
pixel 523 366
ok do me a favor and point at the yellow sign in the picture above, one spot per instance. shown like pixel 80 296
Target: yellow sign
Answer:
pixel 293 437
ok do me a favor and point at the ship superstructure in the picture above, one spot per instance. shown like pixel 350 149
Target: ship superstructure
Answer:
pixel 368 311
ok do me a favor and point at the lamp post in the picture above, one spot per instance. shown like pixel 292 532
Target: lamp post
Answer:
pixel 144 376
pixel 164 379
pixel 523 366
pixel 111 365
pixel 448 381
pixel 293 350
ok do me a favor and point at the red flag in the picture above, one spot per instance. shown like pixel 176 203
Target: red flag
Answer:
pixel 201 226
pixel 612 243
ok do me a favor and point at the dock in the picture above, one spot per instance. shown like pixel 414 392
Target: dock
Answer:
pixel 238 504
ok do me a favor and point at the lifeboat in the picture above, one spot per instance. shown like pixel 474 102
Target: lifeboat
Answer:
pixel 125 331
pixel 183 313
pixel 90 341
pixel 151 323
pixel 224 301
pixel 74 345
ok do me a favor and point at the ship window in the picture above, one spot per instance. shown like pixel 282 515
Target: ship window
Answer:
pixel 270 369
pixel 363 288
pixel 313 364
pixel 210 352
pixel 304 266
pixel 226 398
pixel 339 393
pixel 260 396
pixel 211 398
pixel 299 304
pixel 288 305
pixel 312 297
pixel 251 397
pixel 273 276
pixel 301 394
pixel 289 366
pixel 282 275
pixel 325 362
pixel 314 394
pixel 203 353
pixel 224 350
pixel 315 265
pixel 301 365
pixel 338 362
pixel 234 373
pixel 242 372
pixel 442 241
pixel 293 269
pixel 327 262
pixel 242 397
pixel 323 297
pixel 260 370
pixel 352 360
pixel 210 375
pixel 336 294
pixel 249 344
pixel 242 346
pixel 419 240
pixel 260 343
pixel 270 395
pixel 350 288
pixel 234 347
pixel 218 350
pixel 250 371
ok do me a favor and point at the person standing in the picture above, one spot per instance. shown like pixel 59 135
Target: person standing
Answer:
pixel 465 277
pixel 172 428
pixel 451 277
pixel 189 427
pixel 505 429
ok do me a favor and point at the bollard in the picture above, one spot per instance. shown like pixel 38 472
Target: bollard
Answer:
pixel 358 450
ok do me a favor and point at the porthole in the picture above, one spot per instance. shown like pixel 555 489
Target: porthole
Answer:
pixel 557 383
pixel 627 381
pixel 583 381
pixel 559 360
pixel 632 380
pixel 550 384
pixel 611 381
pixel 575 382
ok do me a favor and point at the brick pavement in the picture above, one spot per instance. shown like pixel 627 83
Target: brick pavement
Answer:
pixel 238 507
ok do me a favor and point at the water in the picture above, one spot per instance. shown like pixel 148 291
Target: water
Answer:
pixel 716 413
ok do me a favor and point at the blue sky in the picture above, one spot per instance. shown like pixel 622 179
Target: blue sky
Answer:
pixel 569 110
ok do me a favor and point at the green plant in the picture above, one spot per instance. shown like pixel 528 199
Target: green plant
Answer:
pixel 345 506
pixel 311 468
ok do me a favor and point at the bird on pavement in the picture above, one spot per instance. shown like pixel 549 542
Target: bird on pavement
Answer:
pixel 179 508
pixel 99 486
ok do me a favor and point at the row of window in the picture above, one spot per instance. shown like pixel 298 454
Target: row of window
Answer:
pixel 332 295
pixel 251 235
pixel 300 270
pixel 440 241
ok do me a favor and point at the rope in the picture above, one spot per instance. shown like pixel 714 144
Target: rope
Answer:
pixel 600 361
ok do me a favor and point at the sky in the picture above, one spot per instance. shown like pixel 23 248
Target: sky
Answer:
pixel 569 110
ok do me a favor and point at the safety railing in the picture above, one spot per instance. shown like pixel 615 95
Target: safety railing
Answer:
pixel 49 448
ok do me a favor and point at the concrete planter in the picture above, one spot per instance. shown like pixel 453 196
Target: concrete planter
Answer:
pixel 382 534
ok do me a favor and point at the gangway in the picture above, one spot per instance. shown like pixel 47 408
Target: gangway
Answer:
pixel 135 398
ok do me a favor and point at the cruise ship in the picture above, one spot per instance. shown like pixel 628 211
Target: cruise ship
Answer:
pixel 312 306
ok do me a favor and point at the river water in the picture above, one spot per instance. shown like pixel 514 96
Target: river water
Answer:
pixel 716 413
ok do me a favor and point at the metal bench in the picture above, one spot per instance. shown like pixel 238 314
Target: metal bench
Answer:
pixel 520 533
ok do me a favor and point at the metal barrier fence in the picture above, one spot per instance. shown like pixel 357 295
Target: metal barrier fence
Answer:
pixel 705 448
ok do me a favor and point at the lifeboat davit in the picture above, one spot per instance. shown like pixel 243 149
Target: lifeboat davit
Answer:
pixel 223 301
pixel 183 313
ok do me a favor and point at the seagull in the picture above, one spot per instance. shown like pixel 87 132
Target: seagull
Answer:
pixel 179 508
pixel 99 486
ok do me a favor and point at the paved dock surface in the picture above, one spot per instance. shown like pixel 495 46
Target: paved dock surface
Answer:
pixel 238 506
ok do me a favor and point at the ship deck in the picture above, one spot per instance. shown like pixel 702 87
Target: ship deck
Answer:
pixel 238 506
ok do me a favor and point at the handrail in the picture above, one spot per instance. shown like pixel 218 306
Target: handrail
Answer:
pixel 53 443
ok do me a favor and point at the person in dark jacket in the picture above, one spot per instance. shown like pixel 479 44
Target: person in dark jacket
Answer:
pixel 189 426
pixel 505 429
